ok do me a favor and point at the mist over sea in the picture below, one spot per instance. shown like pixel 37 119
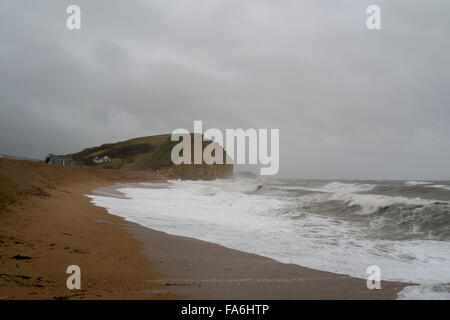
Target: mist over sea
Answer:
pixel 339 226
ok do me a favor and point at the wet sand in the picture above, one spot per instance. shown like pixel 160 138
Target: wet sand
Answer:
pixel 196 269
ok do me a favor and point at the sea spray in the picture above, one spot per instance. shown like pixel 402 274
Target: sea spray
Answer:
pixel 337 226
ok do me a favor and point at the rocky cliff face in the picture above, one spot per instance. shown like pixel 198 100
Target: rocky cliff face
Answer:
pixel 199 171
pixel 153 153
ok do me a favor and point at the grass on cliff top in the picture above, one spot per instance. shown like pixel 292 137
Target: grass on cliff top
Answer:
pixel 144 153
pixel 162 157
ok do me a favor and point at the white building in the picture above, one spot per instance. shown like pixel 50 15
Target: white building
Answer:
pixel 103 159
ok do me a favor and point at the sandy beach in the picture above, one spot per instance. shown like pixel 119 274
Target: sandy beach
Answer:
pixel 197 269
pixel 47 223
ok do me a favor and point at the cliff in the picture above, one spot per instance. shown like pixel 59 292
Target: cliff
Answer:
pixel 152 153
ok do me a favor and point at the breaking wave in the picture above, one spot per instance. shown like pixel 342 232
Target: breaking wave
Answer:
pixel 371 203
pixel 441 186
pixel 417 183
pixel 332 187
pixel 336 226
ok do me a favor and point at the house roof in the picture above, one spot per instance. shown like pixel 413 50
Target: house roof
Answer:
pixel 55 157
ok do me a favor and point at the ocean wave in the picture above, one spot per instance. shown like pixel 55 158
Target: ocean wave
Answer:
pixel 371 203
pixel 440 186
pixel 417 183
pixel 425 292
pixel 333 187
pixel 408 239
pixel 397 223
pixel 219 185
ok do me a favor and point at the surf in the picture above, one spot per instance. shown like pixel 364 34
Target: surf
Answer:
pixel 336 226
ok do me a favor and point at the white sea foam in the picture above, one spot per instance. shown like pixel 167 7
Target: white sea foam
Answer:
pixel 425 292
pixel 417 183
pixel 219 212
pixel 332 187
pixel 370 203
pixel 441 186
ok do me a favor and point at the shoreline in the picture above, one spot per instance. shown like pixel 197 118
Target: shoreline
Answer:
pixel 48 223
pixel 67 229
pixel 197 269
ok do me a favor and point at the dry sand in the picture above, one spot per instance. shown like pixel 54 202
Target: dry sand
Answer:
pixel 47 224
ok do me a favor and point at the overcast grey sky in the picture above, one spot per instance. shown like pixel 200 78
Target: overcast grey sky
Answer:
pixel 349 102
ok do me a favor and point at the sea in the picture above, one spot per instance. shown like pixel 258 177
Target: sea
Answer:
pixel 341 226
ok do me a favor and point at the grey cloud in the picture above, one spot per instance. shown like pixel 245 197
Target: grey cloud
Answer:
pixel 349 103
